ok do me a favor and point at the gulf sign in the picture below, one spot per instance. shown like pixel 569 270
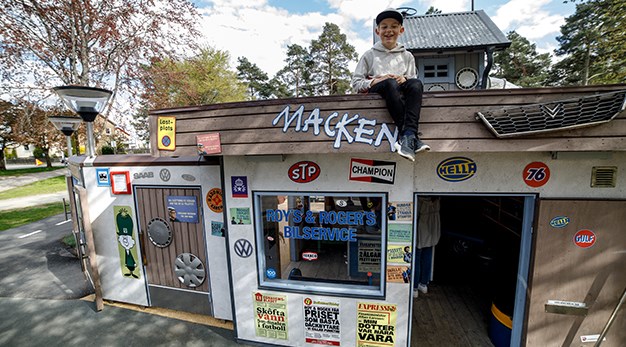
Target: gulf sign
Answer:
pixel 584 238
pixel 456 169
pixel 304 172
pixel 377 171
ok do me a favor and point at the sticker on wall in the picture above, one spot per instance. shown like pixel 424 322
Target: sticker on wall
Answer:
pixel 309 256
pixel 376 324
pixel 140 175
pixel 243 248
pixel 240 215
pixel 270 316
pixel 214 200
pixel 321 322
pixel 188 177
pixel 304 172
pixel 102 176
pixel 400 232
pixel 376 171
pixel 209 144
pixel 559 222
pixel 165 175
pixel 536 174
pixel 584 238
pixel 399 254
pixel 456 169
pixel 399 274
pixel 166 133
pixel 402 211
pixel 182 209
pixel 239 186
pixel 217 228
pixel 126 242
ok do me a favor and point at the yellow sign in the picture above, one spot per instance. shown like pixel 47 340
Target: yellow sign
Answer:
pixel 38 162
pixel 399 254
pixel 376 324
pixel 166 133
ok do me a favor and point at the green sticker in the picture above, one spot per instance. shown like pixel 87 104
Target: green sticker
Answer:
pixel 128 252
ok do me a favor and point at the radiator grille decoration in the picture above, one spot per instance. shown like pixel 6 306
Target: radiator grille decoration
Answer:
pixel 556 115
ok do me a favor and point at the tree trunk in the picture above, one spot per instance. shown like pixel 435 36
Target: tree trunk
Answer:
pixel 46 153
pixel 586 67
pixel 3 165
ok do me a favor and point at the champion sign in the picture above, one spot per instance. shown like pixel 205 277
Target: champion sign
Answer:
pixel 456 169
pixel 377 171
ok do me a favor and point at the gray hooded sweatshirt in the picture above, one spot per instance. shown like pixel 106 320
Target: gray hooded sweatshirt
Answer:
pixel 379 61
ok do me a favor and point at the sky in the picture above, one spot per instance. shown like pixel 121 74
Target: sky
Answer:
pixel 261 30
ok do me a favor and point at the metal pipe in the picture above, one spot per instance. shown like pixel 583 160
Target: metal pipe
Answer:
pixel 611 319
pixel 91 150
pixel 69 146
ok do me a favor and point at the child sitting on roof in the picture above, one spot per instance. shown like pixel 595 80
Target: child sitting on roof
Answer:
pixel 389 70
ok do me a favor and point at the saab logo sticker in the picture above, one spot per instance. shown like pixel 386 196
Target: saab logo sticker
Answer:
pixel 584 238
pixel 536 174
pixel 304 172
pixel 559 222
pixel 456 169
pixel 376 171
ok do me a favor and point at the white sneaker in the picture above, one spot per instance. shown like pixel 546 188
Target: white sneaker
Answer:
pixel 422 288
pixel 415 293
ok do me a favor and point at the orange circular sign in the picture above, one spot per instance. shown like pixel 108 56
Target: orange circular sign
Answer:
pixel 536 174
pixel 214 200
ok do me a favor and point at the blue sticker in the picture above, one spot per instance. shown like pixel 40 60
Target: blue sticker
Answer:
pixel 182 209
pixel 559 222
pixel 102 177
pixel 270 273
pixel 456 169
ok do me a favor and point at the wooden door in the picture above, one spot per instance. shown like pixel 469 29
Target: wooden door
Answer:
pixel 580 257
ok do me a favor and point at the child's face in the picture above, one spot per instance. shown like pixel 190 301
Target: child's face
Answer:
pixel 389 30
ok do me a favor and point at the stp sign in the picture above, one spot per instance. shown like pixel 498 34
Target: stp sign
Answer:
pixel 309 256
pixel 584 238
pixel 304 172
pixel 536 174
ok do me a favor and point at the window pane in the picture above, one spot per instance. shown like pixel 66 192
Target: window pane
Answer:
pixel 429 74
pixel 322 241
pixel 442 67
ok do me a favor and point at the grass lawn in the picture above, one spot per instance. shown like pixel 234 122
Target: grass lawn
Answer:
pixel 14 218
pixel 49 185
pixel 18 172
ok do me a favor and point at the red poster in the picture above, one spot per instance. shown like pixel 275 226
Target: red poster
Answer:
pixel 209 144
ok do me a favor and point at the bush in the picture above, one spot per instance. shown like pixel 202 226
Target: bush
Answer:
pixel 107 149
pixel 38 153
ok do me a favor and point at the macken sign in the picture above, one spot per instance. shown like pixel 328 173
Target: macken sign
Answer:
pixel 348 128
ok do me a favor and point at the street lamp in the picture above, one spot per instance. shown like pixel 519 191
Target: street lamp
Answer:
pixel 88 102
pixel 66 125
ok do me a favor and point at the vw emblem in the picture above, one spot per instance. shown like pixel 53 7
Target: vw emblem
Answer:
pixel 165 174
pixel 243 248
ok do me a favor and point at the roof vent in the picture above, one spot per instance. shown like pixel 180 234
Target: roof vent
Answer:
pixel 603 176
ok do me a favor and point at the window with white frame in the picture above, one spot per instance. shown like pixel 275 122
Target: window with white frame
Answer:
pixel 321 243
pixel 436 70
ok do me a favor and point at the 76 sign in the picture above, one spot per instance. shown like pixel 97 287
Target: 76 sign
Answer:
pixel 536 174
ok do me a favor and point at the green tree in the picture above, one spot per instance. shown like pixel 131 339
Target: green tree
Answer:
pixel 140 123
pixel 201 80
pixel 8 133
pixel 433 10
pixel 521 64
pixel 34 128
pixel 255 78
pixel 592 44
pixel 295 76
pixel 332 54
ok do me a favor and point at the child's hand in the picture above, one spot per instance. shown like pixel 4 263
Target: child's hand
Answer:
pixel 399 78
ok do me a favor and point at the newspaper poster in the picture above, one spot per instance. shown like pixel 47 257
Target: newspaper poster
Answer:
pixel 400 232
pixel 400 211
pixel 399 254
pixel 270 315
pixel 369 256
pixel 376 324
pixel 399 274
pixel 321 322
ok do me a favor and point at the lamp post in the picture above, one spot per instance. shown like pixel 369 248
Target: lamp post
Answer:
pixel 88 102
pixel 66 125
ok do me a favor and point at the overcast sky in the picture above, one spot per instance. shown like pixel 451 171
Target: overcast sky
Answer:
pixel 261 30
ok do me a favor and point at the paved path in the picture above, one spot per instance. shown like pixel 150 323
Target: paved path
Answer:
pixel 9 182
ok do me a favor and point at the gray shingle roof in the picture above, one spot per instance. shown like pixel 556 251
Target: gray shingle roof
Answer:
pixel 452 31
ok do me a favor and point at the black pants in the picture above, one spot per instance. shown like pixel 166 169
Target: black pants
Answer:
pixel 404 101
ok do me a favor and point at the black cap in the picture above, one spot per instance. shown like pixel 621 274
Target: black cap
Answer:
pixel 389 13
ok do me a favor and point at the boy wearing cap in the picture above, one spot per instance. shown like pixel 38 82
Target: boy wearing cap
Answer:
pixel 389 70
